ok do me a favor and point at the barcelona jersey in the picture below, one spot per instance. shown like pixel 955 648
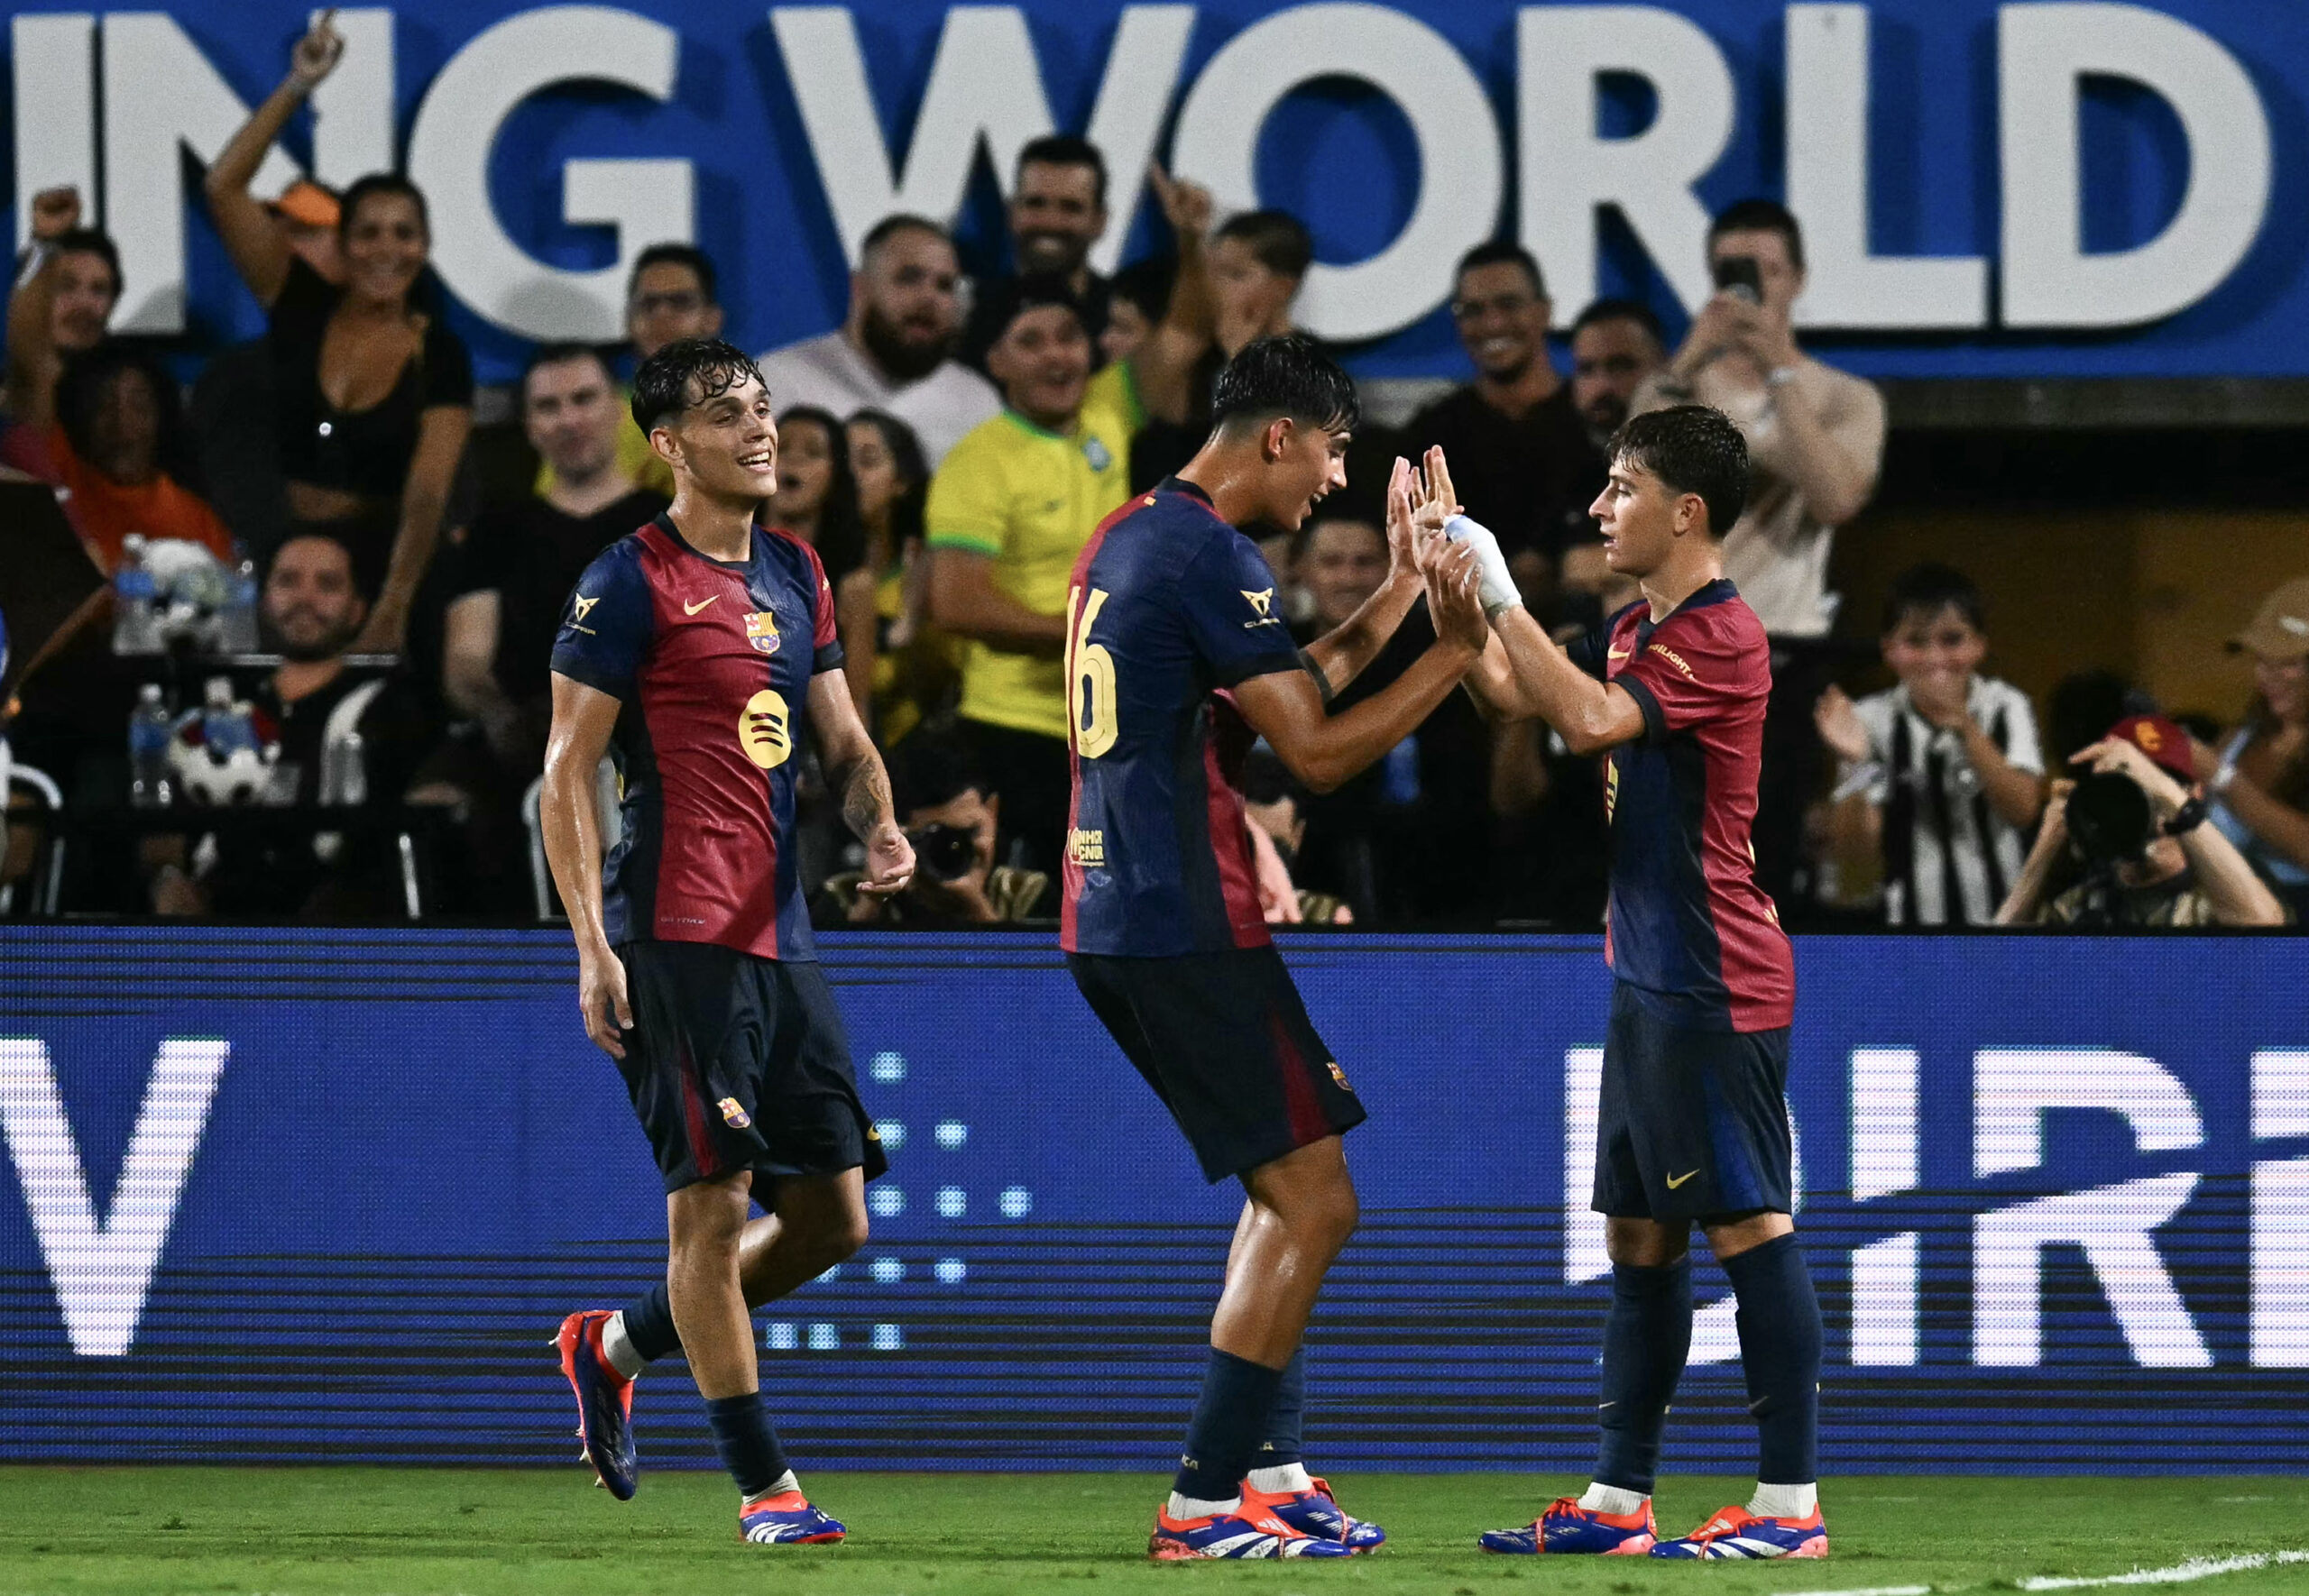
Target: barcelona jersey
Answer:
pixel 1168 609
pixel 1690 934
pixel 711 661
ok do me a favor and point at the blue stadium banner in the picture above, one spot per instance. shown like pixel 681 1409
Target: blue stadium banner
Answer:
pixel 2074 188
pixel 299 1196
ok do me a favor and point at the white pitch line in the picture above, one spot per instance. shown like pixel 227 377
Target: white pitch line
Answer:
pixel 1872 1590
pixel 2180 1574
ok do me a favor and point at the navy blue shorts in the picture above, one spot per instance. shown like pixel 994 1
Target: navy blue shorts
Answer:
pixel 1226 1044
pixel 1691 1125
pixel 736 1062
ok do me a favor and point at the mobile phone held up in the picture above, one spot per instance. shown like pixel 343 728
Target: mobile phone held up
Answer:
pixel 1739 275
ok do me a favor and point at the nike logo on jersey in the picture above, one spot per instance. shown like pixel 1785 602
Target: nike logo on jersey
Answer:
pixel 1615 654
pixel 1676 1181
pixel 688 609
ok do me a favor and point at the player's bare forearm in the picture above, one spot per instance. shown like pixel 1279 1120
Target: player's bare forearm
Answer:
pixel 853 766
pixel 1343 652
pixel 1590 715
pixel 866 795
pixel 583 720
pixel 1324 750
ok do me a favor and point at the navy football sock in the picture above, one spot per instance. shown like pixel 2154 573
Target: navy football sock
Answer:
pixel 748 1445
pixel 1282 1443
pixel 1780 1349
pixel 650 1325
pixel 1237 1396
pixel 1647 1337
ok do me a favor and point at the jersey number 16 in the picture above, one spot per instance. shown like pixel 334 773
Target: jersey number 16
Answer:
pixel 1089 679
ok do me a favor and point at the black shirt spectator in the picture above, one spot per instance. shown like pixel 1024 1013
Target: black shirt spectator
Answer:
pixel 531 555
pixel 1521 455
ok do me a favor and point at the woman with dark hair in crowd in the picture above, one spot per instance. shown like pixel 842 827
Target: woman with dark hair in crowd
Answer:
pixel 2259 781
pixel 817 495
pixel 900 670
pixel 372 390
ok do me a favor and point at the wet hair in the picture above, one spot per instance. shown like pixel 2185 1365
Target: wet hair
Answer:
pixel 1066 150
pixel 890 227
pixel 1285 376
pixel 933 768
pixel 368 187
pixel 700 264
pixel 841 539
pixel 687 372
pixel 87 241
pixel 88 376
pixel 1924 590
pixel 1693 449
pixel 1634 310
pixel 1500 252
pixel 560 354
pixel 1760 215
pixel 1277 240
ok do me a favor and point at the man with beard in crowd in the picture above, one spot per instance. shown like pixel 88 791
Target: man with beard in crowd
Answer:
pixel 894 352
pixel 310 612
pixel 1057 214
pixel 1615 346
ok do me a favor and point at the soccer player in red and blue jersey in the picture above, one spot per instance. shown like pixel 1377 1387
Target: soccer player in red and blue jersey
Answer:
pixel 697 651
pixel 1693 1125
pixel 1177 659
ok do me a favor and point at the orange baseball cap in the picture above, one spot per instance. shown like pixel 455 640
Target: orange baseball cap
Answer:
pixel 307 202
pixel 2165 743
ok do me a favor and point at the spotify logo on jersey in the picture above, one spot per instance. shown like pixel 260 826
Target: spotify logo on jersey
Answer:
pixel 762 730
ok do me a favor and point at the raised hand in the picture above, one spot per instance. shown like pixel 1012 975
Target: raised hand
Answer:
pixel 1455 598
pixel 55 212
pixel 1433 501
pixel 1839 725
pixel 1187 206
pixel 317 52
pixel 1408 549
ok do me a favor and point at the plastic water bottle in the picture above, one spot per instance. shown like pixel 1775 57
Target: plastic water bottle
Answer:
pixel 150 730
pixel 236 629
pixel 136 622
pixel 345 771
pixel 225 726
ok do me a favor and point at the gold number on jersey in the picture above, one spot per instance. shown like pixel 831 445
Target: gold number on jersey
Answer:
pixel 1089 679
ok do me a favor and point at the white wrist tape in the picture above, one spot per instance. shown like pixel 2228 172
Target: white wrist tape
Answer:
pixel 1498 587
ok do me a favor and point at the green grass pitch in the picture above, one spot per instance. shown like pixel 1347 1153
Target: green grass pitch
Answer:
pixel 479 1533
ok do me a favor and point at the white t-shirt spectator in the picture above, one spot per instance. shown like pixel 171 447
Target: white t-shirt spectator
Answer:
pixel 1943 845
pixel 831 373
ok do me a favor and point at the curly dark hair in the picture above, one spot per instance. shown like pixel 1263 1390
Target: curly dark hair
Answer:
pixel 687 372
pixel 1694 449
pixel 87 378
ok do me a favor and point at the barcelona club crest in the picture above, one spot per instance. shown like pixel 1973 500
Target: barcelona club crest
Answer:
pixel 761 630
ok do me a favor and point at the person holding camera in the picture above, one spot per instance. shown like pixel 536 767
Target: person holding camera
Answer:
pixel 2129 839
pixel 951 814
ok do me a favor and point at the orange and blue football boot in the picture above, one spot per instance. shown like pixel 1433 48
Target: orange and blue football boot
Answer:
pixel 1247 1532
pixel 604 1402
pixel 1568 1527
pixel 1316 1512
pixel 1736 1533
pixel 786 1519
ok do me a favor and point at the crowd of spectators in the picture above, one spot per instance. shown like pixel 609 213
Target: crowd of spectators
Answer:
pixel 949 449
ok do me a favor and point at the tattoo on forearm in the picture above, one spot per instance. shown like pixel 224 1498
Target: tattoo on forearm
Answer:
pixel 866 795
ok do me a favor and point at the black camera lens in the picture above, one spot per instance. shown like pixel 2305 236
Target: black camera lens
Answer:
pixel 945 853
pixel 2109 818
